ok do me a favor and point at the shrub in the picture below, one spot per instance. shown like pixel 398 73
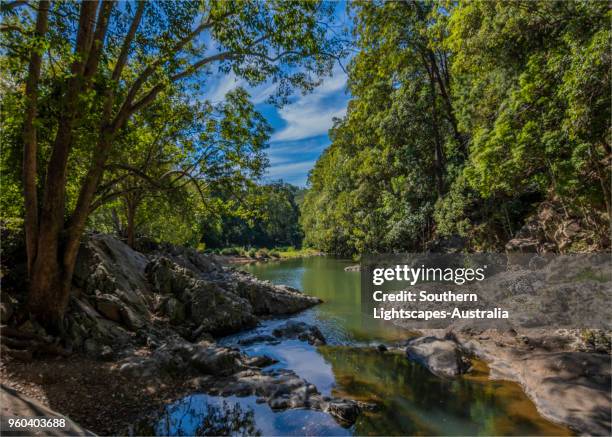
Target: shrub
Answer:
pixel 262 253
pixel 230 251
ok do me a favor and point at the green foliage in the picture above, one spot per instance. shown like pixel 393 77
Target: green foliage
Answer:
pixel 172 161
pixel 175 161
pixel 464 116
pixel 256 215
pixel 531 95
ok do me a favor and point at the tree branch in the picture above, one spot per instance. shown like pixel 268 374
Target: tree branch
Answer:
pixel 127 42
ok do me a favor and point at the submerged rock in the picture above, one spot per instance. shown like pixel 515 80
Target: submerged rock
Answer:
pixel 345 411
pixel 442 357
pixel 300 330
pixel 282 389
pixel 261 361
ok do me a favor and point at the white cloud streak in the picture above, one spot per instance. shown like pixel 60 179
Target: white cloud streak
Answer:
pixel 312 114
pixel 228 82
pixel 283 170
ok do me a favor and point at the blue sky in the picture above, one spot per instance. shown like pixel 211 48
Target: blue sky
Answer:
pixel 300 127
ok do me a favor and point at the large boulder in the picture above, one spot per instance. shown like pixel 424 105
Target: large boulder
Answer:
pixel 441 356
pixel 268 299
pixel 107 265
pixel 111 276
pixel 121 295
pixel 216 299
pixel 205 303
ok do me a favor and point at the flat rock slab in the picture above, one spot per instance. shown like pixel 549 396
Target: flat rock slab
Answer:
pixel 567 386
pixel 16 405
pixel 572 388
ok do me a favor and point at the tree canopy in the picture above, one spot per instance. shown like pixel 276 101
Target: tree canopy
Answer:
pixel 465 115
pixel 88 87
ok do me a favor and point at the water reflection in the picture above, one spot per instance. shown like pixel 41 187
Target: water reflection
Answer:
pixel 340 318
pixel 196 415
pixel 412 401
pixel 409 399
pixel 203 415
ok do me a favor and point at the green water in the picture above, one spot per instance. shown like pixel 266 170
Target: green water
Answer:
pixel 325 278
pixel 409 400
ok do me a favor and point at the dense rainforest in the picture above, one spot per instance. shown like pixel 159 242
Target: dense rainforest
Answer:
pixel 465 117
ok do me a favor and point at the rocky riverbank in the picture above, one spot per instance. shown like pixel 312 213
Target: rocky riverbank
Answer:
pixel 149 319
pixel 142 328
pixel 566 379
pixel 567 382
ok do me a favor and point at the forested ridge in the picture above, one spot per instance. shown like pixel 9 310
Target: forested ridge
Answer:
pixel 465 118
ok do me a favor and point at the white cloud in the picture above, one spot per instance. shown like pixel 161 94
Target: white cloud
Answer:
pixel 221 86
pixel 311 115
pixel 224 83
pixel 286 169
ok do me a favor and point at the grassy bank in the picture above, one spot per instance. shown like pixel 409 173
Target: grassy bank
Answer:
pixel 283 252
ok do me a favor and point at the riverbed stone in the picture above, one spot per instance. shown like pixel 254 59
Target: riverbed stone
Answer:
pixel 441 356
pixel 216 360
pixel 282 389
pixel 346 411
pixel 300 330
pixel 259 338
pixel 260 361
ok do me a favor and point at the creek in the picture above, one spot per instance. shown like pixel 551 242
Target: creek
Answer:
pixel 409 399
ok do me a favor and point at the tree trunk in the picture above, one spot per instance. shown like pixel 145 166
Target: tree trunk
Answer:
pixel 130 229
pixel 131 206
pixel 450 112
pixel 48 294
pixel 439 158
pixel 49 280
pixel 30 144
